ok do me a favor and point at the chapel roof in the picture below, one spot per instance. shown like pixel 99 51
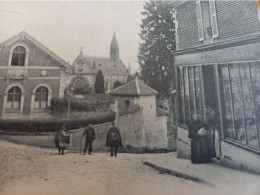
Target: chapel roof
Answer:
pixel 134 88
pixel 106 65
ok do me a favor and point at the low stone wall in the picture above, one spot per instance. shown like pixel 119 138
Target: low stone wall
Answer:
pixel 99 143
pixel 47 139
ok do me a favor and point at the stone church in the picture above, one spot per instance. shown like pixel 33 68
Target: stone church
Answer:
pixel 31 75
pixel 84 69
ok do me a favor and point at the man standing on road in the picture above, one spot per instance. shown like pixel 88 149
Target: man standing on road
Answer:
pixel 90 137
pixel 113 139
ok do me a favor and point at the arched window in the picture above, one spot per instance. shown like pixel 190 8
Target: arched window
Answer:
pixel 14 98
pixel 41 98
pixel 18 56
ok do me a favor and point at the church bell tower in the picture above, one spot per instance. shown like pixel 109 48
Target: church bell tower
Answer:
pixel 114 50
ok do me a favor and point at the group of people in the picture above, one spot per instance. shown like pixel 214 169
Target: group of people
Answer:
pixel 113 139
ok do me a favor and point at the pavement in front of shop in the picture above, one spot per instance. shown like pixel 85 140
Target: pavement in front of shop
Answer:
pixel 227 180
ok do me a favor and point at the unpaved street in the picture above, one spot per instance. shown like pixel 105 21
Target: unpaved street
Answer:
pixel 30 170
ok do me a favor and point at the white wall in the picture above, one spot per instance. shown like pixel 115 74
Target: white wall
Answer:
pixel 240 158
pixel 183 143
pixel 156 133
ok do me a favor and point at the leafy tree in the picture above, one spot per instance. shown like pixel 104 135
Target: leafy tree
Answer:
pixel 158 44
pixel 117 84
pixel 130 78
pixel 99 83
pixel 133 77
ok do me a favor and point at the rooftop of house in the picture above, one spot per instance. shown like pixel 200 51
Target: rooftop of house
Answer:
pixel 134 88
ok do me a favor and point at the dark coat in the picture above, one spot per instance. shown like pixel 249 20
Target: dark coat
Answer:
pixel 113 135
pixel 194 127
pixel 199 144
pixel 62 138
pixel 90 134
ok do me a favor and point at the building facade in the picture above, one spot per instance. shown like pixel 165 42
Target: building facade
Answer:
pixel 217 64
pixel 30 76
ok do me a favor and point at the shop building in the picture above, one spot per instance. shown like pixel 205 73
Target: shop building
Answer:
pixel 217 65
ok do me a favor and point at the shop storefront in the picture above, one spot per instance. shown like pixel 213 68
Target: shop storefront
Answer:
pixel 220 83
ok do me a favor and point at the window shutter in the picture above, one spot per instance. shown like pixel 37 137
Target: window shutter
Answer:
pixel 213 17
pixel 199 20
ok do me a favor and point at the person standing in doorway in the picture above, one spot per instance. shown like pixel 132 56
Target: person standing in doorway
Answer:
pixel 113 140
pixel 90 137
pixel 199 141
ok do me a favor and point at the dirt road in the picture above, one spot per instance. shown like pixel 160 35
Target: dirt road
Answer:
pixel 30 170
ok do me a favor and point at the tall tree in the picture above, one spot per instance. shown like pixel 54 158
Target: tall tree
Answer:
pixel 158 44
pixel 99 83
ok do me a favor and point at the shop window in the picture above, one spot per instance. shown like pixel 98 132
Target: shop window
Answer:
pixel 41 98
pixel 190 94
pixel 241 96
pixel 14 99
pixel 18 56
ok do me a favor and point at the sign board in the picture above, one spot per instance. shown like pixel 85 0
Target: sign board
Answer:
pixel 232 54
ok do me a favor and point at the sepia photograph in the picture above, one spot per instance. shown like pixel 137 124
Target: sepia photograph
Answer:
pixel 130 97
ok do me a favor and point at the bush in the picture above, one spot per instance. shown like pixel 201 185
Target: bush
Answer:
pixel 90 102
pixel 53 124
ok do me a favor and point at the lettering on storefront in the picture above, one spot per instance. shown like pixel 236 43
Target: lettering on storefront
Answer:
pixel 234 54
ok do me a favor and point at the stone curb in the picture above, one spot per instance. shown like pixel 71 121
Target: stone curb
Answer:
pixel 177 174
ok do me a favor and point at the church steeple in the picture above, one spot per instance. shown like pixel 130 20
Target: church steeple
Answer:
pixel 114 49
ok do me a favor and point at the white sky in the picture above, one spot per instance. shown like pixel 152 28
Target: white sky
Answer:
pixel 65 26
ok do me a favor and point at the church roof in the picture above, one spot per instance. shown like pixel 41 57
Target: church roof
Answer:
pixel 106 65
pixel 109 66
pixel 134 88
pixel 25 35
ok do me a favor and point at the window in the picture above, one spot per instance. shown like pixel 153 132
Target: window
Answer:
pixel 14 99
pixel 127 103
pixel 41 98
pixel 190 94
pixel 206 19
pixel 241 98
pixel 18 56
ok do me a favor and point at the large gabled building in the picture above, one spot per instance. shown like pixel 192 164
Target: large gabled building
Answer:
pixel 30 76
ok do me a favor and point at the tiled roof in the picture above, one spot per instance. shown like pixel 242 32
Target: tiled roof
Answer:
pixel 109 66
pixel 106 65
pixel 161 112
pixel 23 35
pixel 134 88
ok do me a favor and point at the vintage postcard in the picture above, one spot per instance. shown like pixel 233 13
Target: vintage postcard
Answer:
pixel 130 97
